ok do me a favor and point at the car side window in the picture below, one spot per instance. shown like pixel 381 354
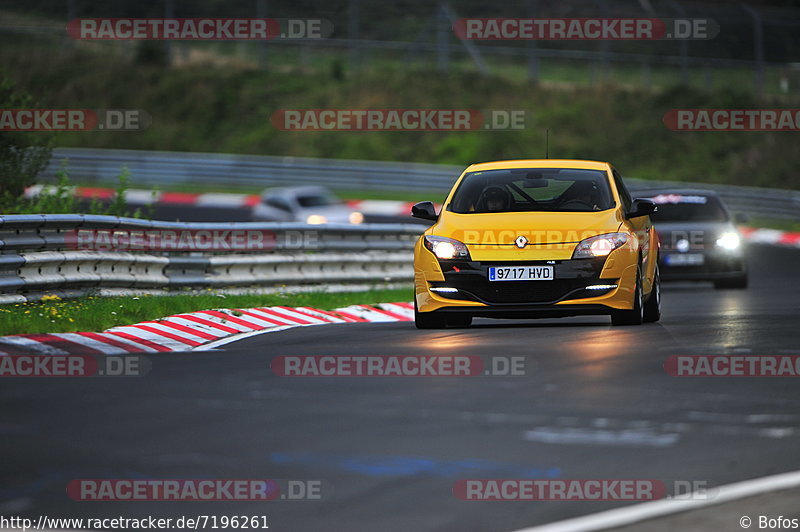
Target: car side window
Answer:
pixel 278 203
pixel 624 195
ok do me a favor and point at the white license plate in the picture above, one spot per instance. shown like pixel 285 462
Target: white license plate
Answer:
pixel 520 273
pixel 685 259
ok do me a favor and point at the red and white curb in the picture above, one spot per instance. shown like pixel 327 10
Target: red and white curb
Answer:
pixel 197 331
pixel 137 196
pixel 771 236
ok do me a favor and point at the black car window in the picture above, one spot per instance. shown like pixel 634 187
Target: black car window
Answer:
pixel 316 200
pixel 624 195
pixel 533 190
pixel 278 203
pixel 688 208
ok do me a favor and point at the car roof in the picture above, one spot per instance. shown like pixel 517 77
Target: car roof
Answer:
pixel 539 163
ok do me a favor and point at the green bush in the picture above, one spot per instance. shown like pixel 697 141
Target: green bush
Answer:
pixel 22 154
pixel 60 199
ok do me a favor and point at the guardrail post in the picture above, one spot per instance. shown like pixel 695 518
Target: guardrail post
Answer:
pixel 683 45
pixel 353 34
pixel 758 45
pixel 531 46
pixel 261 12
pixel 169 12
pixel 443 38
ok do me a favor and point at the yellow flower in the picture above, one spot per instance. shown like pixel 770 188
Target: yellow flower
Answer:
pixel 50 297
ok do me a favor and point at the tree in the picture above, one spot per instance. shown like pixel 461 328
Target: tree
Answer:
pixel 22 154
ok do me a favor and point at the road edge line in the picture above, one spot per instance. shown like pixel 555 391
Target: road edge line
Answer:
pixel 646 511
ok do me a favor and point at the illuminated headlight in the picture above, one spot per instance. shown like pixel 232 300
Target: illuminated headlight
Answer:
pixel 316 219
pixel 356 217
pixel 601 287
pixel 446 248
pixel 444 289
pixel 599 246
pixel 730 241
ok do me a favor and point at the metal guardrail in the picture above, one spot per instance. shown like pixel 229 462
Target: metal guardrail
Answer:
pixel 37 256
pixel 167 169
pixel 178 168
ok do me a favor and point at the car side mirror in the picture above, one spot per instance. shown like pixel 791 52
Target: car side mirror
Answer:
pixel 424 210
pixel 741 218
pixel 641 207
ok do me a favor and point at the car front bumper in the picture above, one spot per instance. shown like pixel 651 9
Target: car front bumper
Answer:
pixel 715 265
pixel 566 295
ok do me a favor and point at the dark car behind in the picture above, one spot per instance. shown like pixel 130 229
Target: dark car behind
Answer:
pixel 699 240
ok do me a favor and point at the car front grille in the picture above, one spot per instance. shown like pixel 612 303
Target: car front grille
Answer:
pixel 570 279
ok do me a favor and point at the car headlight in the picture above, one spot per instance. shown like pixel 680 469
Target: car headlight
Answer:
pixel 316 219
pixel 356 217
pixel 599 246
pixel 446 248
pixel 730 241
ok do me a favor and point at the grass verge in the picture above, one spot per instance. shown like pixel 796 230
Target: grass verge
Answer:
pixel 227 109
pixel 100 313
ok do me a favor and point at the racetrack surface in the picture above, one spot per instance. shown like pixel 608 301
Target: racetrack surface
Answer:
pixel 595 403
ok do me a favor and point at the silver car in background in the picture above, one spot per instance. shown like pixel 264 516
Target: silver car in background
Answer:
pixel 699 238
pixel 309 204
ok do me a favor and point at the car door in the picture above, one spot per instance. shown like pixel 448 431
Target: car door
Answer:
pixel 642 227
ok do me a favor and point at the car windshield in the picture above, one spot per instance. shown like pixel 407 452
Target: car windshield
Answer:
pixel 317 200
pixel 533 190
pixel 688 208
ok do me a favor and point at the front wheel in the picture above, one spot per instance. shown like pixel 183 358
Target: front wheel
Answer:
pixel 427 320
pixel 635 316
pixel 652 308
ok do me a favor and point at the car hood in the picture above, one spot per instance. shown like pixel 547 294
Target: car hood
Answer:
pixel 551 235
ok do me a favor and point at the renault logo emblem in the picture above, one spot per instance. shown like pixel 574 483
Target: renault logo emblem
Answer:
pixel 521 241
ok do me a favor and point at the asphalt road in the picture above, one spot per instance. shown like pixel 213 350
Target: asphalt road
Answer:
pixel 595 402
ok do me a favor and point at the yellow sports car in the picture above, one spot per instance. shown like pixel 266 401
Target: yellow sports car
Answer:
pixel 537 238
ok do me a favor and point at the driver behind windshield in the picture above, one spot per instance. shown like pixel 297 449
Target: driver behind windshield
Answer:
pixel 497 199
pixel 581 196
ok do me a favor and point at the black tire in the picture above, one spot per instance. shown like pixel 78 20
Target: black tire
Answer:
pixel 428 320
pixel 635 316
pixel 652 307
pixel 459 320
pixel 738 283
